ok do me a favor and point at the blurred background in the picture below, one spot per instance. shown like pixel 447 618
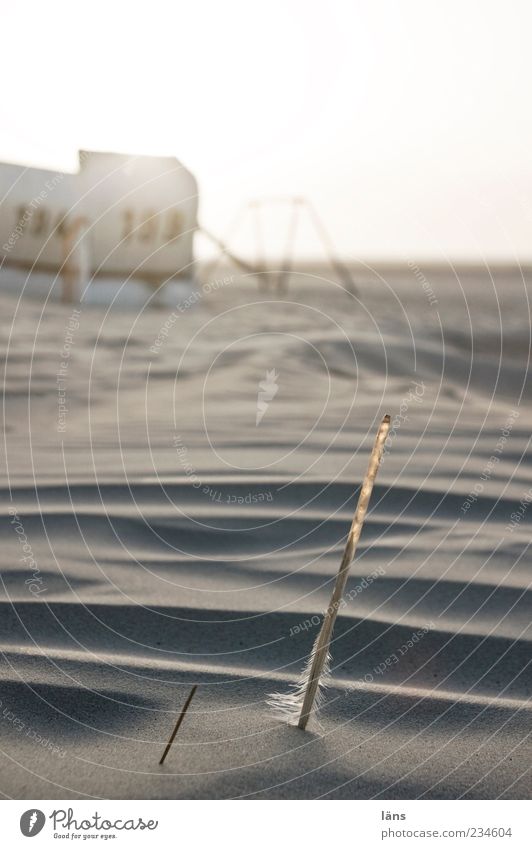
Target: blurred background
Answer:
pixel 406 124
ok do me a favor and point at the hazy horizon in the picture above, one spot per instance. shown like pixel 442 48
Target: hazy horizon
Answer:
pixel 407 125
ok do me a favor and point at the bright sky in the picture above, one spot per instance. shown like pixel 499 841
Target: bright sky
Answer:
pixel 406 122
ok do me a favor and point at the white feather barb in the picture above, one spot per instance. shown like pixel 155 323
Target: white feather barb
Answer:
pixel 287 706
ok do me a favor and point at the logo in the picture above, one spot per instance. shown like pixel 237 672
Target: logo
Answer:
pixel 267 391
pixel 32 822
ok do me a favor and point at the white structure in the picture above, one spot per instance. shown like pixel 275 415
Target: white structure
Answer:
pixel 123 224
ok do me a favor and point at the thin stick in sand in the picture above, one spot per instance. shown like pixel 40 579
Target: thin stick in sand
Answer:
pixel 178 723
pixel 324 637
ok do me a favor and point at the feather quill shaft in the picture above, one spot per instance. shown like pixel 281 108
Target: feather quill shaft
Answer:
pixel 324 637
pixel 307 692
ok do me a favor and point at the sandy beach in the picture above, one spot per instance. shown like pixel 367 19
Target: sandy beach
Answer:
pixel 177 485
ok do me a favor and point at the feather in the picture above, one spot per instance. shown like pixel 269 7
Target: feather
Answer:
pixel 307 694
pixel 268 389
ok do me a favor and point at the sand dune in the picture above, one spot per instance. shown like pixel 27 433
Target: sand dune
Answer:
pixel 173 541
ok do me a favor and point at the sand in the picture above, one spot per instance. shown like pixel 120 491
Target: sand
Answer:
pixel 171 540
